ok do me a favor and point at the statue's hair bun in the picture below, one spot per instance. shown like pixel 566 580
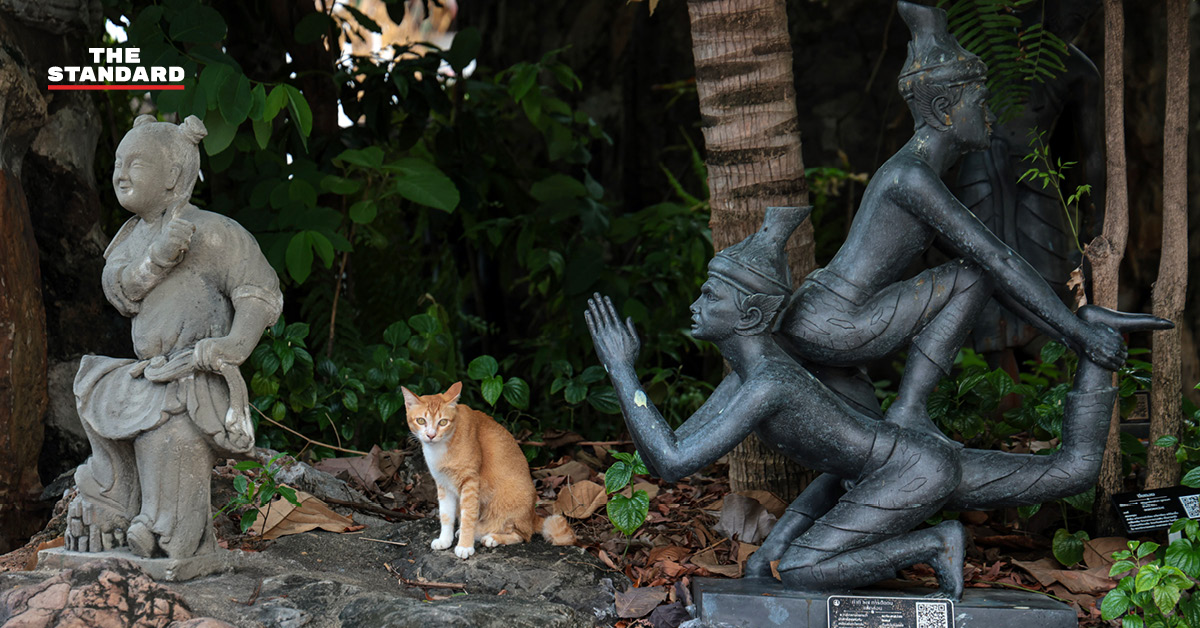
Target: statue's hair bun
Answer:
pixel 193 129
pixel 145 118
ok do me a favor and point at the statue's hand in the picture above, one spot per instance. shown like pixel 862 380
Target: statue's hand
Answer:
pixel 758 565
pixel 172 242
pixel 1105 347
pixel 213 353
pixel 616 342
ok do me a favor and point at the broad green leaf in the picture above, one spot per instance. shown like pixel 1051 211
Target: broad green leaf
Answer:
pixel 235 99
pixel 1120 567
pixel 1191 478
pixel 422 182
pixel 1165 597
pixel 313 27
pixel 258 102
pixel 1167 441
pixel 262 132
pixel 1132 621
pixel 322 246
pixel 340 185
pixel 605 400
pixel 369 157
pixel 301 113
pixel 240 483
pixel 1146 579
pixel 628 513
pixel 220 133
pixel 299 257
pixel 1067 547
pixel 575 391
pixel 516 392
pixel 1115 603
pixel 1052 351
pixel 638 465
pixel 482 367
pixel 1146 548
pixel 248 519
pixel 492 388
pixel 593 374
pixel 276 101
pixel 617 477
pixel 397 334
pixel 558 187
pixel 350 400
pixel 289 494
pixel 246 465
pixel 388 404
pixel 424 324
pixel 364 211
pixel 198 24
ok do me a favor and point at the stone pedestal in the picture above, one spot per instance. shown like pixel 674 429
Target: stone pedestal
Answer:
pixel 752 602
pixel 161 569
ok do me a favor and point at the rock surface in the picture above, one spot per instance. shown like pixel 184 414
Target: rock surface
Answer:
pixel 103 594
pixel 326 580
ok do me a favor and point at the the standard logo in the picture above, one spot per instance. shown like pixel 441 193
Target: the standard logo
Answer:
pixel 115 68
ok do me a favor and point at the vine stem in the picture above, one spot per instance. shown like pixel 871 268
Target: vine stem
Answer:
pixel 310 441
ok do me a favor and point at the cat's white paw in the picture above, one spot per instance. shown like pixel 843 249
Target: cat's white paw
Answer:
pixel 488 541
pixel 441 543
pixel 464 551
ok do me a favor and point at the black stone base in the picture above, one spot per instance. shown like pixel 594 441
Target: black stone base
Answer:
pixel 755 602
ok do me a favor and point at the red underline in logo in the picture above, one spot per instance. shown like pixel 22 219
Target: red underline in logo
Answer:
pixel 90 87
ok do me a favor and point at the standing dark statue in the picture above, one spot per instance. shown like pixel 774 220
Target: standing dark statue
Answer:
pixel 1025 215
pixel 899 471
pixel 857 309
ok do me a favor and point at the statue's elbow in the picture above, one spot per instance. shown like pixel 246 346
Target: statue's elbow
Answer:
pixel 670 472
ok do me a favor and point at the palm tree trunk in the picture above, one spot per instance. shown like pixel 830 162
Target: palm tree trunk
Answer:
pixel 752 141
pixel 1104 254
pixel 1171 287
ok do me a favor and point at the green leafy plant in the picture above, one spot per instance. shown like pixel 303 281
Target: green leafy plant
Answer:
pixel 1016 52
pixel 1052 172
pixel 1068 546
pixel 1188 445
pixel 258 490
pixel 627 514
pixel 1157 594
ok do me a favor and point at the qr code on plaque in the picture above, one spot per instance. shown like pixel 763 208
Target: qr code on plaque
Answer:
pixel 933 615
pixel 1191 506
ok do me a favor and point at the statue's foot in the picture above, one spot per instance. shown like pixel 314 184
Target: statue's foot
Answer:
pixel 914 417
pixel 948 560
pixel 1122 321
pixel 93 528
pixel 141 540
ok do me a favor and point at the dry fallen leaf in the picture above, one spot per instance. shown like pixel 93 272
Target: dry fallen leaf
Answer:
pixel 281 518
pixel 639 601
pixel 667 552
pixel 708 560
pixel 745 518
pixel 773 504
pixel 364 471
pixel 1047 572
pixel 573 470
pixel 1098 552
pixel 580 500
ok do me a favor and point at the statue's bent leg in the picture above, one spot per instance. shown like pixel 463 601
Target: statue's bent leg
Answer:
pixel 175 461
pixel 108 496
pixel 931 356
pixel 817 499
pixel 865 537
pixel 832 321
pixel 994 479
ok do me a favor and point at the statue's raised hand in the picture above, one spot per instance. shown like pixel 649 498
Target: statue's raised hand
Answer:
pixel 213 353
pixel 616 342
pixel 172 242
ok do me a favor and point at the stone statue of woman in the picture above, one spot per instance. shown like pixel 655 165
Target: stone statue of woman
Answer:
pixel 199 293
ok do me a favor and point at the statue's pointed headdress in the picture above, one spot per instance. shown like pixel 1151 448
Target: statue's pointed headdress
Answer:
pixel 934 56
pixel 758 264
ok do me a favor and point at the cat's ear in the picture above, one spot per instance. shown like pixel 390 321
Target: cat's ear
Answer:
pixel 453 392
pixel 410 400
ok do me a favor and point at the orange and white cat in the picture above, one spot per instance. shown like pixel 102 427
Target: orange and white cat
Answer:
pixel 482 476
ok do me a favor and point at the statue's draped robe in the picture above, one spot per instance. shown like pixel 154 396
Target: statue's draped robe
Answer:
pixel 153 423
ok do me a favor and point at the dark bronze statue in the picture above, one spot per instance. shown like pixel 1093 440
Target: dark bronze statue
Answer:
pixel 899 476
pixel 1024 214
pixel 857 309
pixel 897 472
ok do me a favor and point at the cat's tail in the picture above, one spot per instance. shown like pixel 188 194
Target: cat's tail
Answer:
pixel 555 529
